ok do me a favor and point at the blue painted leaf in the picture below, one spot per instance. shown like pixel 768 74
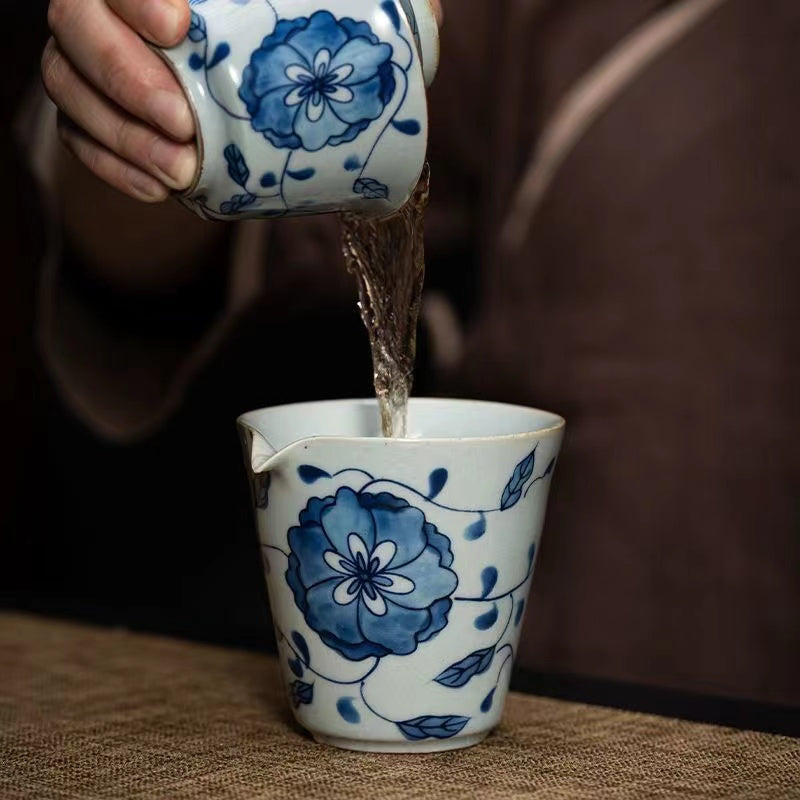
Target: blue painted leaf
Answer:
pixel 520 612
pixel 268 180
pixel 487 620
pixel 436 482
pixel 352 164
pixel 489 580
pixel 477 529
pixel 301 174
pixel 550 467
pixel 296 667
pixel 197 28
pixel 371 189
pixel 196 62
pixel 237 166
pixel 347 710
pixel 220 54
pixel 432 727
pixel 309 474
pixel 486 705
pixel 463 671
pixel 531 554
pixel 390 9
pixel 237 203
pixel 302 694
pixel 410 127
pixel 302 647
pixel 513 490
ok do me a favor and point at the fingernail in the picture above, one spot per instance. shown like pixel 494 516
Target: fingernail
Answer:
pixel 172 114
pixel 176 163
pixel 162 20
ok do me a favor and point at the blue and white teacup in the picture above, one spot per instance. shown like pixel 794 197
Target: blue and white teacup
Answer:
pixel 398 570
pixel 306 106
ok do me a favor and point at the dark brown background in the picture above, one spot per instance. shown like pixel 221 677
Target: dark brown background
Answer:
pixel 654 305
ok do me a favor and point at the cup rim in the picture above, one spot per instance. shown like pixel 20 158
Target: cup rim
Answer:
pixel 245 419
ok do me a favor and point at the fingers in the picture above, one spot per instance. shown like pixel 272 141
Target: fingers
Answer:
pixel 170 163
pixel 108 166
pixel 114 59
pixel 162 22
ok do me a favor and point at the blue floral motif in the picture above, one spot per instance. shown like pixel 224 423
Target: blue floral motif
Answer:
pixel 317 81
pixel 370 574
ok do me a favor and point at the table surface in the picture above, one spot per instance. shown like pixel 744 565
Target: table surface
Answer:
pixel 91 712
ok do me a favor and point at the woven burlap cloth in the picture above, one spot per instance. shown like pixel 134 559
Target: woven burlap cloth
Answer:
pixel 95 713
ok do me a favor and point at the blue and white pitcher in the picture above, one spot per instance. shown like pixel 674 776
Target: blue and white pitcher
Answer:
pixel 306 106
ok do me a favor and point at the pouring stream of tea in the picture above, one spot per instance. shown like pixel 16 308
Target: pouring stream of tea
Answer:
pixel 387 258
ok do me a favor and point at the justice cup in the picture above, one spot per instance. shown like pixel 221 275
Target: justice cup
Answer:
pixel 398 569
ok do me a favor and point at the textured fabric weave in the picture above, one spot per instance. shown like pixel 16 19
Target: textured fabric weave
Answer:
pixel 93 713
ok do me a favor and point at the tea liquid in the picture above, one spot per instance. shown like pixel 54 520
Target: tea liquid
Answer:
pixel 387 258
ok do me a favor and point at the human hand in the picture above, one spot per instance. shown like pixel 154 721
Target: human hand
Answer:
pixel 122 112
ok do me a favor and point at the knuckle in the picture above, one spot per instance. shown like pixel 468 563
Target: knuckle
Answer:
pixel 124 138
pixel 120 83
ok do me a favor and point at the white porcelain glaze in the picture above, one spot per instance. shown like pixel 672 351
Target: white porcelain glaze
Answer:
pixel 307 106
pixel 398 570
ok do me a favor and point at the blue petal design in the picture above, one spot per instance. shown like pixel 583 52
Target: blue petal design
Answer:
pixel 302 694
pixel 410 127
pixel 550 467
pixel 460 673
pixel 197 28
pixel 487 620
pixel 309 545
pixel 357 55
pixel 309 474
pixel 296 667
pixel 314 134
pixel 222 51
pixel 347 516
pixel 396 631
pixel 237 166
pixel 520 612
pixel 320 31
pixel 477 529
pixel 489 580
pixel 352 163
pixel 419 553
pixel 404 527
pixel 363 57
pixel 302 646
pixel 371 189
pixel 531 554
pixel 432 727
pixel 513 491
pixel 301 174
pixel 196 62
pixel 428 576
pixel 486 705
pixel 390 9
pixel 436 482
pixel 347 711
pixel 237 203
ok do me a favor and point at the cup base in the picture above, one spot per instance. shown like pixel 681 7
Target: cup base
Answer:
pixel 423 746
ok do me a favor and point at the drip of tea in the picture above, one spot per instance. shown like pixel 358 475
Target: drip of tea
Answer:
pixel 387 258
